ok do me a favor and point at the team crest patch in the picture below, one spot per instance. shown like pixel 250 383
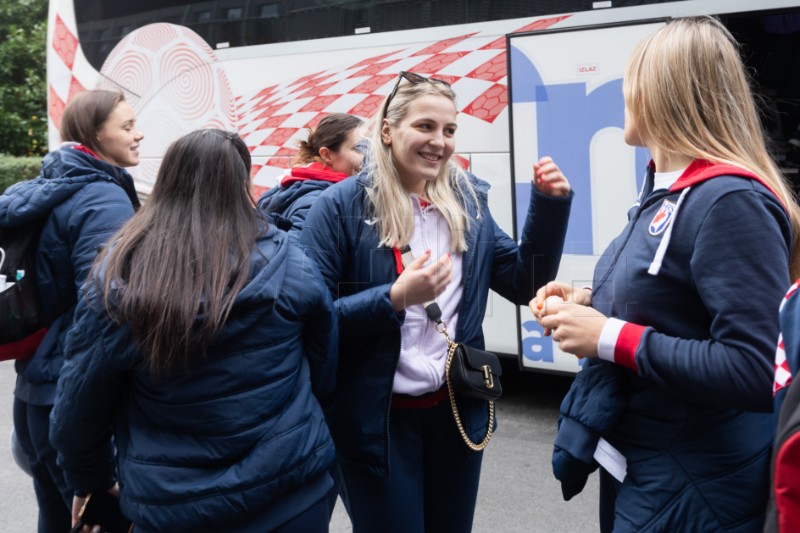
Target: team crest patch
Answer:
pixel 662 218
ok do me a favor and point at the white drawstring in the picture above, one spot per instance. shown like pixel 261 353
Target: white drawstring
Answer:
pixel 2 258
pixel 655 266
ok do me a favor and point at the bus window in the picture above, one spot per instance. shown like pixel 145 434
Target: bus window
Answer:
pixel 245 23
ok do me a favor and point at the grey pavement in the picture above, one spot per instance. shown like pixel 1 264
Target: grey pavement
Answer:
pixel 518 493
pixel 18 510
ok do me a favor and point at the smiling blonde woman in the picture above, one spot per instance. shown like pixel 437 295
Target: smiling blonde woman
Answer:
pixel 404 465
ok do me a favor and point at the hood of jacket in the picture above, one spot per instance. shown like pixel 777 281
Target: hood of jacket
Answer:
pixel 298 182
pixel 64 172
pixel 701 170
pixel 312 171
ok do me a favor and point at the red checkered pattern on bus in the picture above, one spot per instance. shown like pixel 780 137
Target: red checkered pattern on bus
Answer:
pixel 275 117
pixel 65 44
pixel 272 119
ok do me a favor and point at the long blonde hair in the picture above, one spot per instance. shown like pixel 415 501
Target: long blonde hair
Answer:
pixel 689 92
pixel 391 204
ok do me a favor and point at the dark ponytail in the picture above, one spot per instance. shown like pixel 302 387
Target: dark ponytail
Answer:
pixel 330 133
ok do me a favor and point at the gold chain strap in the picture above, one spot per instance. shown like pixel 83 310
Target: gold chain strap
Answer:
pixel 441 327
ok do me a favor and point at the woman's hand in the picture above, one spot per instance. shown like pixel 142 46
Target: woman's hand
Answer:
pixel 576 328
pixel 548 178
pixel 565 292
pixel 419 284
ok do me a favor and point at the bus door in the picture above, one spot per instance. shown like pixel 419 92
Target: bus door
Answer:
pixel 565 95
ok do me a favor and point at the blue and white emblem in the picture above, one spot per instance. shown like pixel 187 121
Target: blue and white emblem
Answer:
pixel 662 218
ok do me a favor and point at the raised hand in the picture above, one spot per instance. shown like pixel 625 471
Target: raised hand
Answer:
pixel 548 178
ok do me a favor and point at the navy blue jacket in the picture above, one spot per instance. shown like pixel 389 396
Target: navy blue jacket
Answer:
pixel 235 436
pixel 86 201
pixel 288 204
pixel 687 420
pixel 341 236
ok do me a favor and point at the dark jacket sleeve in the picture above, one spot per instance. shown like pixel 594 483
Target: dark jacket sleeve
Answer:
pixel 518 271
pixel 298 212
pixel 323 239
pixel 86 223
pixel 89 392
pixel 740 269
pixel 100 209
pixel 321 337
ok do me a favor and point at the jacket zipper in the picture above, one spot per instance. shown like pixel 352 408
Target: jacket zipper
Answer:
pixel 649 200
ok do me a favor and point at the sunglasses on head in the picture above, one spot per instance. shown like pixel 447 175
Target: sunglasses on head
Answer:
pixel 412 78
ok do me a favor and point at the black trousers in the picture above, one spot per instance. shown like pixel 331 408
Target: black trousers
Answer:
pixel 32 425
pixel 433 485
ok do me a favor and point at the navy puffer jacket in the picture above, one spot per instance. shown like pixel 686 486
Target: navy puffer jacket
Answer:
pixel 288 204
pixel 86 201
pixel 223 440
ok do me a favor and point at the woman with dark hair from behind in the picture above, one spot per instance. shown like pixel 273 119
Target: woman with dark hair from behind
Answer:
pixel 207 355
pixel 83 195
pixel 330 154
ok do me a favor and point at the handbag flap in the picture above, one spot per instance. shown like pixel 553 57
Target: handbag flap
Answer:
pixel 476 359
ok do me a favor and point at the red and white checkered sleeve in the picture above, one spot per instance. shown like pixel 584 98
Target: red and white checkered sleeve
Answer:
pixel 783 374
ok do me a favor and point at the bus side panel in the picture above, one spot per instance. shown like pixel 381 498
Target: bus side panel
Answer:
pixel 500 322
pixel 567 103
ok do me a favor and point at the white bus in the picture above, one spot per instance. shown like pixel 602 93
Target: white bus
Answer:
pixel 530 79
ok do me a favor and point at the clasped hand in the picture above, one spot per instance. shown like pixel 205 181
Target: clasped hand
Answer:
pixel 565 314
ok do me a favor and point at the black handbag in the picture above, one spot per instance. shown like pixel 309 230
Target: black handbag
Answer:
pixel 476 373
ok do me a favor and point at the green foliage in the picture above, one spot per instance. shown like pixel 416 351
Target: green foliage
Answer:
pixel 23 95
pixel 14 169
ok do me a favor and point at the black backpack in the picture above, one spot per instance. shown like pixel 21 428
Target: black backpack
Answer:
pixel 22 320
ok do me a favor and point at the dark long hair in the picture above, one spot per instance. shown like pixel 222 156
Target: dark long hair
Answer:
pixel 85 115
pixel 173 271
